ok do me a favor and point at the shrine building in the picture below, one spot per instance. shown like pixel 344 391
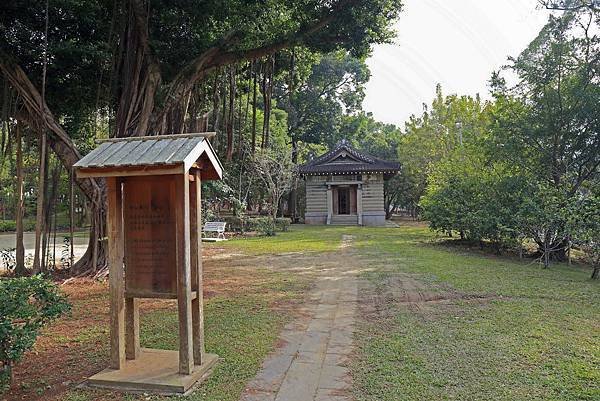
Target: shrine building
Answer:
pixel 345 187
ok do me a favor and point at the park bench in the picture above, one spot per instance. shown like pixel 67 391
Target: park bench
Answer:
pixel 214 227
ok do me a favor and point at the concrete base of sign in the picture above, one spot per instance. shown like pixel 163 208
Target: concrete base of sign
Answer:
pixel 154 371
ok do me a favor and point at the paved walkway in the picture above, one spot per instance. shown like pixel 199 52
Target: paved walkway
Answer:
pixel 310 364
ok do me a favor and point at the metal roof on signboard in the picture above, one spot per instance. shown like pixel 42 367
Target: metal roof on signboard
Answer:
pixel 149 152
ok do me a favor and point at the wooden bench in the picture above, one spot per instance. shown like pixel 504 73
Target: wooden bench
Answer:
pixel 214 227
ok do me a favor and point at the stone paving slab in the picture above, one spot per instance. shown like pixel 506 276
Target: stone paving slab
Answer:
pixel 311 362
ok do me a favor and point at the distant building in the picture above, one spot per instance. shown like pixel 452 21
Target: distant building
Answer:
pixel 345 186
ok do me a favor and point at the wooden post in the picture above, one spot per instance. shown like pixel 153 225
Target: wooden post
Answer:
pixel 184 291
pixel 196 256
pixel 359 206
pixel 115 263
pixel 132 328
pixel 329 204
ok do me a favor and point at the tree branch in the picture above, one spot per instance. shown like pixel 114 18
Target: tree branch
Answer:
pixel 40 117
pixel 566 5
pixel 218 56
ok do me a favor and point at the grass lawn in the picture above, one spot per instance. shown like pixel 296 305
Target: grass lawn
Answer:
pixel 498 329
pixel 517 332
pixel 298 238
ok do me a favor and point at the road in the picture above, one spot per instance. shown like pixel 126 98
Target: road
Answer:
pixel 7 241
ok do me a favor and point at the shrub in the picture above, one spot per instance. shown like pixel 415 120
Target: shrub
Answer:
pixel 7 225
pixel 28 304
pixel 263 225
pixel 282 223
pixel 234 223
pixel 11 225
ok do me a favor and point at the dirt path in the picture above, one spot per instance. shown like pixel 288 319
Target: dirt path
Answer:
pixel 310 363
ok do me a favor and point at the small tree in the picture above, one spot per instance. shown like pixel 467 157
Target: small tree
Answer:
pixel 276 170
pixel 28 304
pixel 541 217
pixel 584 226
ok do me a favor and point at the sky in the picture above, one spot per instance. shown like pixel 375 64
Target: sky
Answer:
pixel 457 43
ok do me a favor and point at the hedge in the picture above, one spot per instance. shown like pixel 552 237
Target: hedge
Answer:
pixel 262 225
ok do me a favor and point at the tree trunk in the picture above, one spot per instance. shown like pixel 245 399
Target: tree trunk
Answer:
pixel 138 75
pixel 51 213
pixel 49 191
pixel 240 126
pixel 215 108
pixel 39 220
pixel 292 122
pixel 231 115
pixel 596 273
pixel 245 130
pixel 274 215
pixel 224 117
pixel 266 110
pixel 520 248
pixel 293 195
pixel 254 90
pixel 267 96
pixel 20 207
pixel 546 249
pixel 71 219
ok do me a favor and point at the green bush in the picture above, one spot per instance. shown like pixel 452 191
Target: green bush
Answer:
pixel 263 225
pixel 11 225
pixel 234 223
pixel 282 223
pixel 8 225
pixel 483 202
pixel 28 304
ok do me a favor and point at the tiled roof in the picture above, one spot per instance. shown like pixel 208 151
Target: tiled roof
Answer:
pixel 343 158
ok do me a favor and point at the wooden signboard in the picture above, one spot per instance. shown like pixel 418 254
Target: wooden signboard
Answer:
pixel 150 232
pixel 153 193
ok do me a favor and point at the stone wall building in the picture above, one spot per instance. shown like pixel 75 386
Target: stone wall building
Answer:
pixel 345 186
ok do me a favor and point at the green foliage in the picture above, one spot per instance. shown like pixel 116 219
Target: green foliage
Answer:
pixel 451 122
pixel 11 225
pixel 262 225
pixel 584 226
pixel 333 88
pixel 7 225
pixel 486 200
pixel 548 123
pixel 28 304
pixel 265 226
pixel 518 167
